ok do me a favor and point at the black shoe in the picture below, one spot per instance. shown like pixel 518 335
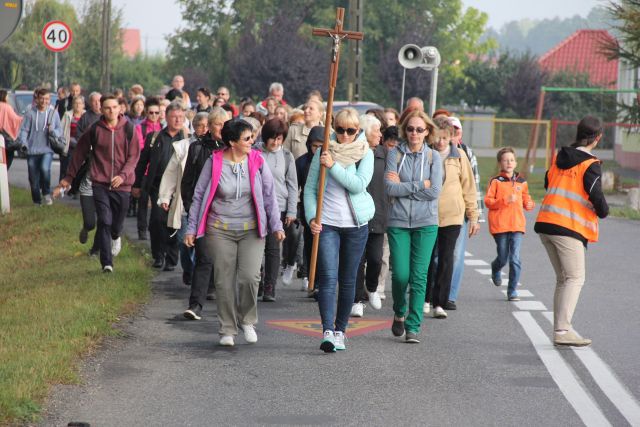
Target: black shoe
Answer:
pixel 158 263
pixel 411 338
pixel 397 328
pixel 211 296
pixel 84 235
pixel 269 293
pixel 193 312
pixel 142 235
pixel 260 290
pixel 450 305
pixel 169 267
pixel 186 278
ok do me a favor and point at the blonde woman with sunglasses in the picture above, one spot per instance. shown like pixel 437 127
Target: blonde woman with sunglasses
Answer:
pixel 343 229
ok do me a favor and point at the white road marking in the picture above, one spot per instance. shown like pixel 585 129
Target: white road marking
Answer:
pixel 485 271
pixel 607 380
pixel 529 305
pixel 467 253
pixel 521 293
pixel 474 262
pixel 564 376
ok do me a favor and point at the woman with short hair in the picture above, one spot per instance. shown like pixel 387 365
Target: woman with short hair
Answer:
pixel 343 227
pixel 234 207
pixel 283 168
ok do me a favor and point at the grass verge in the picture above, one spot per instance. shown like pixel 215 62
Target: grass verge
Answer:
pixel 625 212
pixel 55 303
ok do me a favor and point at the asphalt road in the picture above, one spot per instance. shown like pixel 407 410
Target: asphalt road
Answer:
pixel 490 363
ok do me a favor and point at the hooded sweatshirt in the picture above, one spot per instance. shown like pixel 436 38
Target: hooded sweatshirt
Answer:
pixel 113 155
pixel 283 168
pixel 412 205
pixel 567 158
pixel 33 132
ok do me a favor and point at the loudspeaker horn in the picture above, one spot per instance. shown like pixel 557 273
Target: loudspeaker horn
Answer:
pixel 410 56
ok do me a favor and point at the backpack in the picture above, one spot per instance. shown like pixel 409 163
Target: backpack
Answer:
pixel 84 168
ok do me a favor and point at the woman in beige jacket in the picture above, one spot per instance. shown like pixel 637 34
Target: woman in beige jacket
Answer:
pixel 296 141
pixel 457 199
pixel 170 196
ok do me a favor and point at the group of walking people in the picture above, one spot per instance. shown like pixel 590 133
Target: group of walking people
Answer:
pixel 231 187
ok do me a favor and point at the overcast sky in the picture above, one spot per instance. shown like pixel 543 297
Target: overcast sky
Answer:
pixel 157 18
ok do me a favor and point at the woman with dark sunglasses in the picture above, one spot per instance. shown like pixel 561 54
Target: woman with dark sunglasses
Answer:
pixel 414 181
pixel 234 207
pixel 347 209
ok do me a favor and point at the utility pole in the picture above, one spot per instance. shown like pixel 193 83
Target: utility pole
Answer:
pixel 105 75
pixel 355 60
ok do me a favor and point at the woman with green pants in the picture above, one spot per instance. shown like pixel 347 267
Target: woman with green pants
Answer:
pixel 413 181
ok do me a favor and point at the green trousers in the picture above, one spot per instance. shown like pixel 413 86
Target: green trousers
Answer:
pixel 410 250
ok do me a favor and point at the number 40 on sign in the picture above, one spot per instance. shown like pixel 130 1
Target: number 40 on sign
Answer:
pixel 56 36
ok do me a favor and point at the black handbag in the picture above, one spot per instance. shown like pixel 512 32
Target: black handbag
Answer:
pixel 57 143
pixel 10 144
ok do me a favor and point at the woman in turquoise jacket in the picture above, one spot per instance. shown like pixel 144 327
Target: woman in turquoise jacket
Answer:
pixel 347 208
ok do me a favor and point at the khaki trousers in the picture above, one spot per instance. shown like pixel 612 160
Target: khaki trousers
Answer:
pixel 567 256
pixel 237 256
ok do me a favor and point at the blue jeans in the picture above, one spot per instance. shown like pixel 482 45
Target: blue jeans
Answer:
pixel 39 166
pixel 508 245
pixel 339 255
pixel 458 261
pixel 187 255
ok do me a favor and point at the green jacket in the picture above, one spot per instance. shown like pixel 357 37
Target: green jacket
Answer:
pixel 354 179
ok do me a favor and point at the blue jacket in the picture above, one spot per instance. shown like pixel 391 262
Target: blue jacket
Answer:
pixel 33 131
pixel 412 205
pixel 353 179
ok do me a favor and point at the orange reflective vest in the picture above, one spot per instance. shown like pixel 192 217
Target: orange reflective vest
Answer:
pixel 567 203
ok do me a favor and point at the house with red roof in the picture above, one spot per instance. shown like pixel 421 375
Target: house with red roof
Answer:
pixel 582 52
pixel 131 42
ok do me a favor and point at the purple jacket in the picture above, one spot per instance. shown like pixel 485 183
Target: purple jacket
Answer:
pixel 262 192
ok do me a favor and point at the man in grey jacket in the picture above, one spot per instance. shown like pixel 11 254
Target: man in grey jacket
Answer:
pixel 38 122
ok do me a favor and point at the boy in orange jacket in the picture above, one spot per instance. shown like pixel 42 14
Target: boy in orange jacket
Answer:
pixel 507 195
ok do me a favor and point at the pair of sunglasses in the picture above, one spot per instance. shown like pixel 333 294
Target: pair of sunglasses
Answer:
pixel 411 129
pixel 349 131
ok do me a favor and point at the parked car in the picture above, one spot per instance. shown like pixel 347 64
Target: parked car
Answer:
pixel 21 100
pixel 361 107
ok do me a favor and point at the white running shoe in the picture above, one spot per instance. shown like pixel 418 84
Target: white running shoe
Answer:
pixel 227 341
pixel 287 274
pixel 305 284
pixel 339 340
pixel 250 335
pixel 116 246
pixel 48 200
pixel 375 301
pixel 426 309
pixel 357 310
pixel 382 295
pixel 439 313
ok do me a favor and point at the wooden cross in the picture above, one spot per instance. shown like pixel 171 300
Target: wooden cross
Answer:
pixel 337 34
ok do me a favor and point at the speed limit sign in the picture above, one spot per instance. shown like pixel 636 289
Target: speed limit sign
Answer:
pixel 56 36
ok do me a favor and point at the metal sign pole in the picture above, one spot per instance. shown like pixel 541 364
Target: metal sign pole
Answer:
pixel 404 76
pixel 55 72
pixel 434 91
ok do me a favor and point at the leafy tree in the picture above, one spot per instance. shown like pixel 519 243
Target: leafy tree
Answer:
pixel 626 14
pixel 24 60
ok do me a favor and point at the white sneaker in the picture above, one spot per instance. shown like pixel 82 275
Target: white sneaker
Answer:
pixel 48 200
pixel 338 340
pixel 250 335
pixel 375 301
pixel 439 313
pixel 116 245
pixel 381 295
pixel 357 310
pixel 287 274
pixel 305 284
pixel 426 309
pixel 227 340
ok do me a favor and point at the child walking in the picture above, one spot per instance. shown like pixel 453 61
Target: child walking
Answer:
pixel 507 195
